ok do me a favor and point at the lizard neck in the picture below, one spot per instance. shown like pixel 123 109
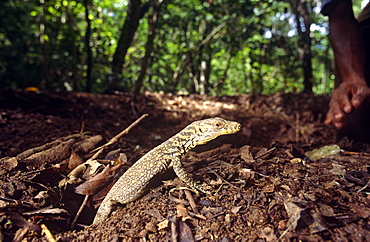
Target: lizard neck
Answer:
pixel 184 140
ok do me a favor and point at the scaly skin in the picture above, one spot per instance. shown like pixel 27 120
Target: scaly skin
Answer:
pixel 133 183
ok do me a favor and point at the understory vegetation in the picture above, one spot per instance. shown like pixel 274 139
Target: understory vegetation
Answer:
pixel 221 47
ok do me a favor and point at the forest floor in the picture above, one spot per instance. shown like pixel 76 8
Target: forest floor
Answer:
pixel 264 186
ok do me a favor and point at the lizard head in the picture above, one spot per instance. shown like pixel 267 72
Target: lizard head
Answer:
pixel 211 128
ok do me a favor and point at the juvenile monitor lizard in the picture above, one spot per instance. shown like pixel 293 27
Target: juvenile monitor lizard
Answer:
pixel 132 184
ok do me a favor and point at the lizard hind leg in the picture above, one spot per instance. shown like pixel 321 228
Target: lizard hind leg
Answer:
pixel 186 177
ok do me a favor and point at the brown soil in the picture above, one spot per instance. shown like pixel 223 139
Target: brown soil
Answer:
pixel 264 188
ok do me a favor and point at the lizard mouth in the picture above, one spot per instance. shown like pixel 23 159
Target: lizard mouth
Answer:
pixel 233 127
pixel 237 127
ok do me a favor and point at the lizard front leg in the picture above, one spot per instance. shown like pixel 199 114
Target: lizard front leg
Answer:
pixel 186 177
pixel 105 209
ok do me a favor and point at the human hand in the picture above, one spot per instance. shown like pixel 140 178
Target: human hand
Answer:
pixel 346 97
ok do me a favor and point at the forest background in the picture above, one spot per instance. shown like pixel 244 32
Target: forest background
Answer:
pixel 215 47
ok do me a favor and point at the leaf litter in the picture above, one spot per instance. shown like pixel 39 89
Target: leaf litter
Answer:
pixel 264 186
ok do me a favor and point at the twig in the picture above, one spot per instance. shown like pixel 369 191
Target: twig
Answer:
pixel 216 215
pixel 174 233
pixel 357 154
pixel 265 153
pixel 287 229
pixel 100 149
pixel 183 188
pixel 79 212
pixel 218 176
pixel 82 128
pixel 197 215
pixel 213 32
pixel 365 187
pixel 9 200
pixel 191 201
pixel 20 234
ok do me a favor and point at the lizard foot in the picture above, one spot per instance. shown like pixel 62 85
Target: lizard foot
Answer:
pixel 203 187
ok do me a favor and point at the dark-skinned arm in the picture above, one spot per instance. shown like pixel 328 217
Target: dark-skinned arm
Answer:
pixel 349 56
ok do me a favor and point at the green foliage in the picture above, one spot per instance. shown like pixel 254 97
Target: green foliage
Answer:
pixel 215 47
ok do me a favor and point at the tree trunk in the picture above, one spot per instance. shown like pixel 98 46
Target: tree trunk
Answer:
pixel 246 75
pixel 44 76
pixel 75 78
pixel 180 70
pixel 300 11
pixel 135 12
pixel 205 70
pixel 148 45
pixel 89 64
pixel 192 59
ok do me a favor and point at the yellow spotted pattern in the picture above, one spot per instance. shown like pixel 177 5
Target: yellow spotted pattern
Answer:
pixel 133 183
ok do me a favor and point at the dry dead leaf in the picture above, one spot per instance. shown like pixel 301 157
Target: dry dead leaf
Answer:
pixel 113 155
pixel 326 210
pixel 296 160
pixel 9 163
pixel 20 234
pixel 93 167
pixel 331 185
pixel 19 221
pixel 360 209
pixel 246 154
pixel 227 218
pixel 247 174
pixel 181 210
pixel 235 210
pixel 315 221
pixel 268 234
pixel 265 153
pixel 294 213
pixel 185 234
pixel 99 181
pixel 338 169
pixel 41 197
pixel 74 161
pixel 269 188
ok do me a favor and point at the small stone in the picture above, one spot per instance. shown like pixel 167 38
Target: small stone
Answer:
pixel 151 227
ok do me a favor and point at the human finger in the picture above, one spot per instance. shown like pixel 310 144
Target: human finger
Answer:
pixel 359 97
pixel 335 115
pixel 342 98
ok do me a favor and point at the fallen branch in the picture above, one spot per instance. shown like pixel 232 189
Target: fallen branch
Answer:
pixel 49 145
